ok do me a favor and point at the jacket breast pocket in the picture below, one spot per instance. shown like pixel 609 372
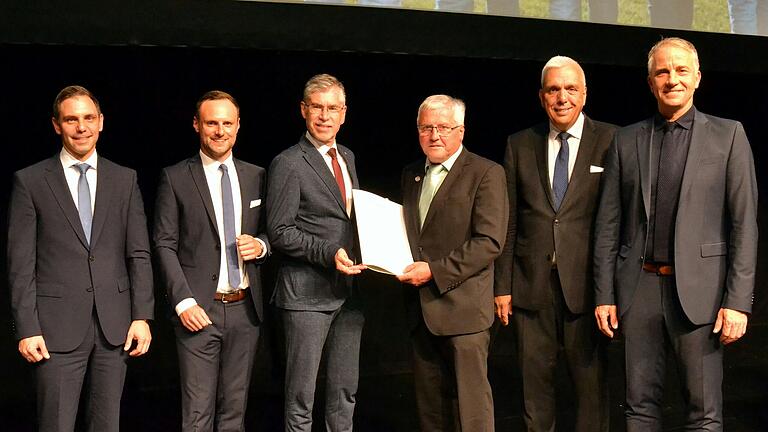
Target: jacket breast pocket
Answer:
pixel 714 249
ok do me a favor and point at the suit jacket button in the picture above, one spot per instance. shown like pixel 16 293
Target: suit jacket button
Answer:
pixel 91 258
pixel 213 277
pixel 557 221
pixel 549 257
pixel 89 289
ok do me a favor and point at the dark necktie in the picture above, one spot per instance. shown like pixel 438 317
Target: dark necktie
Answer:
pixel 666 182
pixel 560 178
pixel 228 210
pixel 339 176
pixel 84 200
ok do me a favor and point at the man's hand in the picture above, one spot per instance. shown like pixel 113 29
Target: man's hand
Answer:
pixel 733 324
pixel 416 274
pixel 502 305
pixel 139 332
pixel 248 246
pixel 33 349
pixel 607 319
pixel 345 265
pixel 195 319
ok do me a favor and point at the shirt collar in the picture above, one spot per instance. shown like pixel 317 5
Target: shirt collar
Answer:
pixel 685 121
pixel 213 164
pixel 67 160
pixel 322 148
pixel 448 163
pixel 574 131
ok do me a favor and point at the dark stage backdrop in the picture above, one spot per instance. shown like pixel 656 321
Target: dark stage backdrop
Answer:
pixel 149 62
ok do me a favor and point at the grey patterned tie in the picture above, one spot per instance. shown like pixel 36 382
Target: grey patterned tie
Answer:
pixel 228 207
pixel 560 179
pixel 84 200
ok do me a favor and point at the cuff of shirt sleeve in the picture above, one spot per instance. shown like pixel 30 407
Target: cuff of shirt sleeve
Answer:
pixel 263 248
pixel 185 304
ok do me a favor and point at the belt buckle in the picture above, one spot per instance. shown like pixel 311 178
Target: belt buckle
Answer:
pixel 224 298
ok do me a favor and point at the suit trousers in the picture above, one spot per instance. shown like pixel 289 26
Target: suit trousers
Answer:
pixel 60 380
pixel 307 335
pixel 653 325
pixel 215 365
pixel 542 335
pixel 451 381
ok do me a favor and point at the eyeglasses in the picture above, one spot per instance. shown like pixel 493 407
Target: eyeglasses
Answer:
pixel 442 130
pixel 317 108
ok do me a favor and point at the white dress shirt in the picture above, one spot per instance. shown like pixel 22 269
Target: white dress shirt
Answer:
pixel 72 175
pixel 573 146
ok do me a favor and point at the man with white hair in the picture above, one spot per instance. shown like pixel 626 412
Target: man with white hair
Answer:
pixel 455 206
pixel 544 275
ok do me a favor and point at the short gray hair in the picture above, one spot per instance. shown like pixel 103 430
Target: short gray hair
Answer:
pixel 559 61
pixel 677 43
pixel 440 101
pixel 323 82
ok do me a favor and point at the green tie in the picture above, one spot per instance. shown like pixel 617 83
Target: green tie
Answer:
pixel 432 180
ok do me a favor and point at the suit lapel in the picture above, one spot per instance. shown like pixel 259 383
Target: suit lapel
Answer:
pixel 540 148
pixel 414 181
pixel 581 166
pixel 315 160
pixel 699 136
pixel 246 191
pixel 105 186
pixel 644 149
pixel 195 165
pixel 54 176
pixel 348 159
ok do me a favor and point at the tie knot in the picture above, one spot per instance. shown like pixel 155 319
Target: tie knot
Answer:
pixel 223 167
pixel 83 167
pixel 563 137
pixel 332 152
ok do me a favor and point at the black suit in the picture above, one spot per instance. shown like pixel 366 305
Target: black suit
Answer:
pixel 463 233
pixel 218 359
pixel 715 252
pixel 553 306
pixel 75 295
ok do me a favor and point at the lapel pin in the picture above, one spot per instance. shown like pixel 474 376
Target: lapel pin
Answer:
pixel 418 179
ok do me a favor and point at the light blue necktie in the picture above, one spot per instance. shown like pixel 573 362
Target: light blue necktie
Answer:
pixel 560 179
pixel 230 247
pixel 84 200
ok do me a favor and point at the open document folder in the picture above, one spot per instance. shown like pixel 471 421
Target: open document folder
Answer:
pixel 381 227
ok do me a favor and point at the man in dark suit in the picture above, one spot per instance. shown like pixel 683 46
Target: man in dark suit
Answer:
pixel 79 271
pixel 676 243
pixel 309 207
pixel 210 240
pixel 544 274
pixel 456 209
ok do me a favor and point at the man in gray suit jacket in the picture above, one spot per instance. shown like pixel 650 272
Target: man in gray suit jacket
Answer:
pixel 676 243
pixel 309 221
pixel 79 270
pixel 456 209
pixel 210 240
pixel 553 177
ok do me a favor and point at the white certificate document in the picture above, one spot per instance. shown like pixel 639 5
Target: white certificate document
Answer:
pixel 381 228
